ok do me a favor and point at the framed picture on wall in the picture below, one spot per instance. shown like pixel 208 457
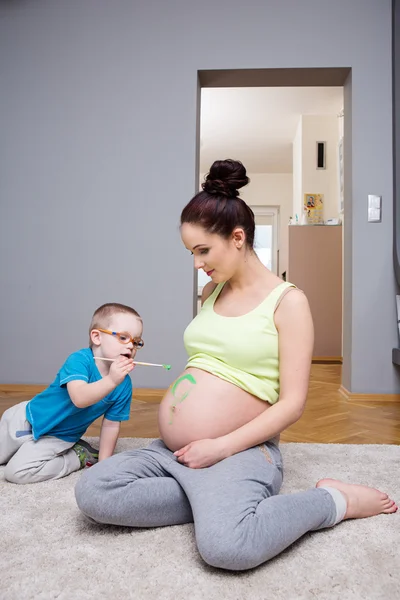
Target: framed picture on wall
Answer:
pixel 313 209
pixel 340 173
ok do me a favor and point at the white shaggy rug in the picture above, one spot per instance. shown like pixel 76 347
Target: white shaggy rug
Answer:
pixel 48 550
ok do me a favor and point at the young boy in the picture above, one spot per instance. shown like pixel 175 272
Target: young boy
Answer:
pixel 40 439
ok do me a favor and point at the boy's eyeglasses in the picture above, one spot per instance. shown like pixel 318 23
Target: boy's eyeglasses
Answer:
pixel 124 338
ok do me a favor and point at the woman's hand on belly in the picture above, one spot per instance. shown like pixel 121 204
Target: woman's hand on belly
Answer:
pixel 203 453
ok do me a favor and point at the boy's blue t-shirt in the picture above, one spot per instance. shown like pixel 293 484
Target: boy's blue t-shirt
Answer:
pixel 52 412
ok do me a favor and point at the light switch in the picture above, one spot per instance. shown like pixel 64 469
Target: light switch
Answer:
pixel 374 208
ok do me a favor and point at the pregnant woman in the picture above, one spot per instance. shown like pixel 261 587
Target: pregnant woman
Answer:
pixel 218 462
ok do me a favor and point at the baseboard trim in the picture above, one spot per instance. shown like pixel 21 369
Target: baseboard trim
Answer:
pixel 151 395
pixel 368 397
pixel 25 391
pixel 324 360
pixel 155 395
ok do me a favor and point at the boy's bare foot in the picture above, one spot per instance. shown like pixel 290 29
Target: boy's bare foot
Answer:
pixel 362 501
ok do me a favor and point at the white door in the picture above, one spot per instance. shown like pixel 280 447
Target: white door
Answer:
pixel 266 242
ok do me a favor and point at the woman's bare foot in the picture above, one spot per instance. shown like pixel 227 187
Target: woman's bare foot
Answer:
pixel 362 501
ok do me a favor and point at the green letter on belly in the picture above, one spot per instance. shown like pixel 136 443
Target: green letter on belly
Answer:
pixel 178 381
pixel 191 380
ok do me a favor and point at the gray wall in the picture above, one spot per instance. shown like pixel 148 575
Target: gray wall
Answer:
pixel 396 128
pixel 98 145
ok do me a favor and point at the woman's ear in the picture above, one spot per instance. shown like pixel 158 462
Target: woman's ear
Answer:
pixel 239 237
pixel 95 337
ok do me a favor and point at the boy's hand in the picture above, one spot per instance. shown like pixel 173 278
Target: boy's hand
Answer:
pixel 120 368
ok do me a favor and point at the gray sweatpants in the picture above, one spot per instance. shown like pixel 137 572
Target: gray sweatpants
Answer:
pixel 240 521
pixel 28 461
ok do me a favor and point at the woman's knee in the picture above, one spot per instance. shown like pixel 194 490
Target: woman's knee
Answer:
pixel 226 552
pixel 90 494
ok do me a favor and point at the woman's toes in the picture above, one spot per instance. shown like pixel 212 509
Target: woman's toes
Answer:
pixel 390 509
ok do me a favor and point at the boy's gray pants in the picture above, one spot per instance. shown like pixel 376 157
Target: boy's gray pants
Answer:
pixel 239 519
pixel 28 461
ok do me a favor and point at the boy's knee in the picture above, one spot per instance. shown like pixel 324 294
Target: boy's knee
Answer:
pixel 15 475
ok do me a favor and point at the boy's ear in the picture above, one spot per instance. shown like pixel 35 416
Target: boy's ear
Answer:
pixel 95 337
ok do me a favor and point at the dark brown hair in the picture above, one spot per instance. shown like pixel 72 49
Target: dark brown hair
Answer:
pixel 218 207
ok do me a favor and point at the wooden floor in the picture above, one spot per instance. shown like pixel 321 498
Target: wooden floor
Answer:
pixel 328 417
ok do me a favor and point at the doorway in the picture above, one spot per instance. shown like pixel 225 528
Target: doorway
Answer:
pixel 272 218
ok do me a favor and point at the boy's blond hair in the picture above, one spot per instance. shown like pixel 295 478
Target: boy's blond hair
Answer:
pixel 102 316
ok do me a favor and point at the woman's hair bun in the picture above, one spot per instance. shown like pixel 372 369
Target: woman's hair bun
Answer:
pixel 225 178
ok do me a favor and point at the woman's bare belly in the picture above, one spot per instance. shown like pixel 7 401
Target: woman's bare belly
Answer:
pixel 200 405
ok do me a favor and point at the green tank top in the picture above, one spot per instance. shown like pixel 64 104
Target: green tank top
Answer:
pixel 242 350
